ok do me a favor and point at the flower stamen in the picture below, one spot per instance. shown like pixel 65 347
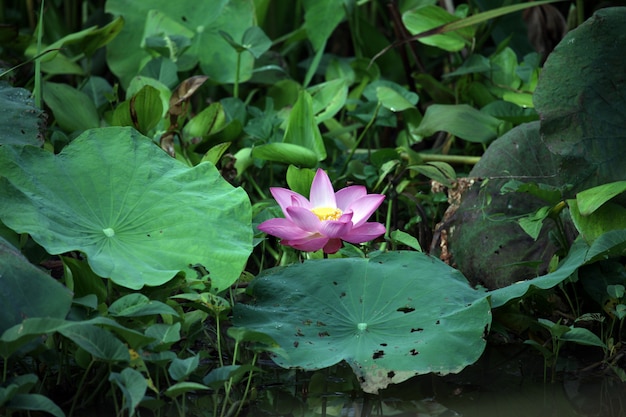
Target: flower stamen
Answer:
pixel 327 213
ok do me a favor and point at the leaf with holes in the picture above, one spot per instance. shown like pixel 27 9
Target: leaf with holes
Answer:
pixel 390 317
pixel 139 215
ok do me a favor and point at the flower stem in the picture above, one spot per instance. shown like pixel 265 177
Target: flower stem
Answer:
pixel 359 139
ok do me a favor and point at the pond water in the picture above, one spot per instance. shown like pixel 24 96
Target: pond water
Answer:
pixel 505 382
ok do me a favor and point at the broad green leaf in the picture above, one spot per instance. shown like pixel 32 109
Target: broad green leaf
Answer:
pixel 132 337
pixel 302 128
pixel 137 305
pixel 99 91
pixel 73 110
pixel 390 317
pixel 133 386
pixel 404 238
pixel 139 82
pixel 574 259
pixel 608 217
pixel 510 112
pixel 328 98
pixel 27 291
pixel 20 120
pixel 200 24
pixel 577 96
pixel 218 376
pixel 591 199
pixel 504 64
pixel 147 108
pixel 165 334
pixel 34 402
pixel 139 215
pixel 20 334
pixel 428 17
pixel 143 111
pixel 286 153
pixel 321 17
pixel 255 41
pixel 609 244
pixel 98 342
pixel 582 336
pixel 300 179
pixel 180 369
pixel 209 121
pixel 163 70
pixel 533 223
pixel 460 120
pixel 615 291
pixel 393 101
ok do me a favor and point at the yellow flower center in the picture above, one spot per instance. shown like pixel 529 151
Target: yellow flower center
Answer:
pixel 327 213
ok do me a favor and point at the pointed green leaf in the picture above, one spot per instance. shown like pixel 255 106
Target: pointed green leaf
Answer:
pixel 73 110
pixel 180 369
pixel 591 199
pixel 133 386
pixel 300 179
pixel 328 98
pixel 460 120
pixel 393 101
pixel 321 17
pixel 256 41
pixel 286 153
pixel 98 342
pixel 429 17
pixel 139 215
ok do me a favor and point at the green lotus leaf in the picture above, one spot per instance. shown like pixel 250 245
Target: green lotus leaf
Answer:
pixel 390 317
pixel 581 96
pixel 20 119
pixel 139 215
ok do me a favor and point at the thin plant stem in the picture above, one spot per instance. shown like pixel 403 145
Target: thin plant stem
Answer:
pixel 383 246
pixel 360 139
pixel 219 338
pixel 5 368
pixel 256 187
pixel 80 386
pixel 248 383
pixel 37 91
pixel 237 68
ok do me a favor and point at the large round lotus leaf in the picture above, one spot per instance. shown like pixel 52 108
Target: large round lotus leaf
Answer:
pixel 483 235
pixel 139 215
pixel 195 24
pixel 27 291
pixel 390 317
pixel 581 98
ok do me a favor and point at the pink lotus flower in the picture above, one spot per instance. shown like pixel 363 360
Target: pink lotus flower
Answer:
pixel 325 220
